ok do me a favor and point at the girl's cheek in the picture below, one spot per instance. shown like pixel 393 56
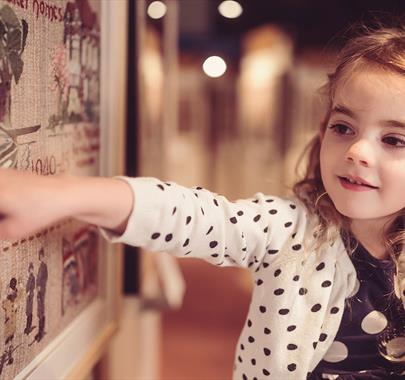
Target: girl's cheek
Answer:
pixel 331 144
pixel 324 150
pixel 323 162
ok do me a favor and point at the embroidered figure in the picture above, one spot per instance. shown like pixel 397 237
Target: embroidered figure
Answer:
pixel 29 289
pixel 42 279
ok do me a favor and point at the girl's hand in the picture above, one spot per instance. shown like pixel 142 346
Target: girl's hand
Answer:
pixel 29 203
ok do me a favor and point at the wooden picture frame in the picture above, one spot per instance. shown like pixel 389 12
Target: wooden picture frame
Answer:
pixel 75 351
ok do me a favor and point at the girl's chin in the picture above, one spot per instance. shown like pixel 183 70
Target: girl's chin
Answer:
pixel 352 212
pixel 355 214
pixel 359 211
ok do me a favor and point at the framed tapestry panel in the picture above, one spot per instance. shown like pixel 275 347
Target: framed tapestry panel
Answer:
pixel 62 110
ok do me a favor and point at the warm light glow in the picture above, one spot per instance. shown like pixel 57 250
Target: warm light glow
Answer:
pixel 230 9
pixel 157 9
pixel 214 66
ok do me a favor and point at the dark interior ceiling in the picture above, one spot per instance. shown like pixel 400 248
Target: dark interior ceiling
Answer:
pixel 311 23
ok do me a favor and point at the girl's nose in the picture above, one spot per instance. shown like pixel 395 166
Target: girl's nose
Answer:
pixel 361 152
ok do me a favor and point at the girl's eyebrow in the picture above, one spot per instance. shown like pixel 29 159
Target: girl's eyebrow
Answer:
pixel 395 123
pixel 346 111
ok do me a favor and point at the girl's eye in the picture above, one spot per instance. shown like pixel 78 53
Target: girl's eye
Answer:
pixel 340 129
pixel 394 141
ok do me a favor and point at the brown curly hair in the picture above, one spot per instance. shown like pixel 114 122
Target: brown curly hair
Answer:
pixel 378 47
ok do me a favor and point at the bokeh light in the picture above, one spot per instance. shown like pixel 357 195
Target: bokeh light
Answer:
pixel 230 9
pixel 214 66
pixel 156 9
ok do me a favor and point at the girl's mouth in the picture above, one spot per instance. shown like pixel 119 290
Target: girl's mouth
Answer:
pixel 355 186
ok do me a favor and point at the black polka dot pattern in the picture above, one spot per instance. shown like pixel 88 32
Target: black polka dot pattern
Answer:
pixel 277 273
pixel 266 235
pixel 302 291
pixel 320 266
pixel 316 308
pixel 213 244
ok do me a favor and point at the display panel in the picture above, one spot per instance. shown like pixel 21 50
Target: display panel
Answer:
pixel 49 125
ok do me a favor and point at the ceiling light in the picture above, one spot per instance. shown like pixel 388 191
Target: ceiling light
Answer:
pixel 230 9
pixel 214 66
pixel 157 9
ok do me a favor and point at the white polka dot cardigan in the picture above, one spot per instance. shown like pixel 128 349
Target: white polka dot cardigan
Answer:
pixel 298 297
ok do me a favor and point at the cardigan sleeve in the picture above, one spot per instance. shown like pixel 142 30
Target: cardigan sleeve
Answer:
pixel 194 222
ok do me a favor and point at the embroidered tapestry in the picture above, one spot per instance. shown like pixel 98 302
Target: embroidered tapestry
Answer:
pixel 49 124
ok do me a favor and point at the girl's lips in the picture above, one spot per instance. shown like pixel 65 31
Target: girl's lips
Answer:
pixel 354 186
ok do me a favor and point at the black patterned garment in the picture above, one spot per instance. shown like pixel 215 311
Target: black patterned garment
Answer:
pixel 372 328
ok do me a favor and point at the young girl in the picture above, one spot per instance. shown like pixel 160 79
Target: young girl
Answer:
pixel 327 262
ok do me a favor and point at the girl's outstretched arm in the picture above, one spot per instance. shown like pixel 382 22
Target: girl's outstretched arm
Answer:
pixel 29 202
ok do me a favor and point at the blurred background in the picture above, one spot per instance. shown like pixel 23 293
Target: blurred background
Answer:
pixel 223 95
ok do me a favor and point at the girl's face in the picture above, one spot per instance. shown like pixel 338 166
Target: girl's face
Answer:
pixel 364 142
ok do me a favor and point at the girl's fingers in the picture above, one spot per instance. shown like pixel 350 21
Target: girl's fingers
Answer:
pixel 9 229
pixel 14 228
